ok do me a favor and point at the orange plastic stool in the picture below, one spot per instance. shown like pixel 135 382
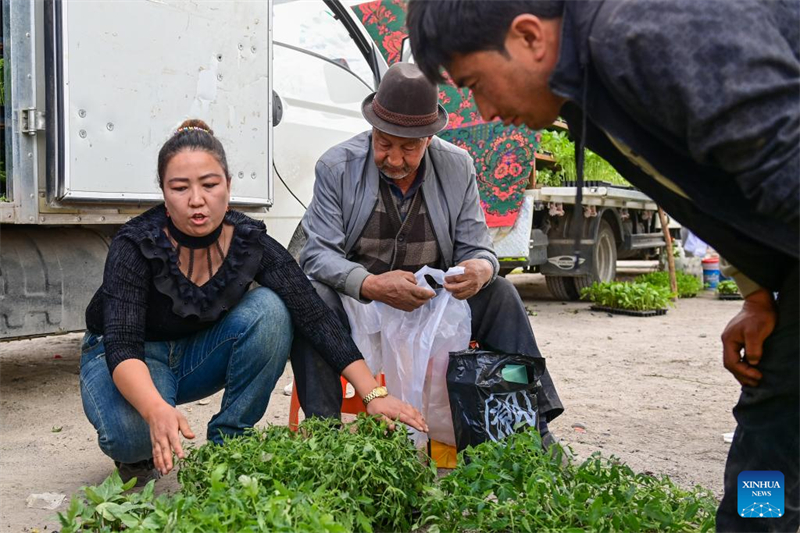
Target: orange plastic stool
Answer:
pixel 351 406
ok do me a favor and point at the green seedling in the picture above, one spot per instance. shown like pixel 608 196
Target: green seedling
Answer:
pixel 688 285
pixel 727 287
pixel 362 477
pixel 632 296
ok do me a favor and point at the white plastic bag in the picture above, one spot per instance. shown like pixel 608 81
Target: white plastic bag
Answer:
pixel 365 328
pixel 412 348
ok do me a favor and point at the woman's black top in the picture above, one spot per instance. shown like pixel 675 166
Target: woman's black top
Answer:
pixel 145 296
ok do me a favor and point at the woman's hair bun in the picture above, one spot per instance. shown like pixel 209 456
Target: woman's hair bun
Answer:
pixel 195 123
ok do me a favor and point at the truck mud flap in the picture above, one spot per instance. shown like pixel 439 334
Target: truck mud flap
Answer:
pixel 47 277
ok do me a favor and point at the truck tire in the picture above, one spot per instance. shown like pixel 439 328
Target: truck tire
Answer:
pixel 561 287
pixel 604 262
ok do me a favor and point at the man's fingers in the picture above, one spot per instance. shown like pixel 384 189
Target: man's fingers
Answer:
pixel 422 293
pixel 459 290
pixel 745 374
pixel 741 370
pixel 745 377
pixel 456 279
pixel 753 345
pixel 408 276
pixel 411 304
pixel 462 290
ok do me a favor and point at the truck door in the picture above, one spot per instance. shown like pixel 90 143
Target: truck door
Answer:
pixel 123 75
pixel 322 74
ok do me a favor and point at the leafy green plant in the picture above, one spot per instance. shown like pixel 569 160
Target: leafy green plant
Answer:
pixel 108 508
pixel 371 477
pixel 563 149
pixel 727 287
pixel 325 477
pixel 497 491
pixel 688 285
pixel 360 477
pixel 245 504
pixel 547 178
pixel 622 295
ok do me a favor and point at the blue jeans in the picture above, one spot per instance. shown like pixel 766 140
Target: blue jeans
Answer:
pixel 245 353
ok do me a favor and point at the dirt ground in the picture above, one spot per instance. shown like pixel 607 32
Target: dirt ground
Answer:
pixel 651 391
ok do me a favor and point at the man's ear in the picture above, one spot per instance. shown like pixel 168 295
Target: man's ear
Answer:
pixel 527 32
pixel 428 141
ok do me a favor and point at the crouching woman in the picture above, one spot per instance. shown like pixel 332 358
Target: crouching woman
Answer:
pixel 174 321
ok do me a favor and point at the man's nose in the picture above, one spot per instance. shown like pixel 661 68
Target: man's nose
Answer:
pixel 487 110
pixel 394 158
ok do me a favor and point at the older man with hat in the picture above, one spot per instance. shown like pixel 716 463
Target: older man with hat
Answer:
pixel 388 202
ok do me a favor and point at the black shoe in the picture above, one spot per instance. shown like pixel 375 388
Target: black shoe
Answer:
pixel 551 445
pixel 144 472
pixel 548 440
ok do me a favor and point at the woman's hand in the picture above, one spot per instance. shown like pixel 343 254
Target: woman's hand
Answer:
pixel 132 378
pixel 166 422
pixel 393 409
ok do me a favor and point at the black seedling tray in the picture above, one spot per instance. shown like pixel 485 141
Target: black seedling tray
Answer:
pixel 729 296
pixel 629 312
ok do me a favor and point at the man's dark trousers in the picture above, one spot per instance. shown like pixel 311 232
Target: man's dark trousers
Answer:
pixel 499 320
pixel 767 434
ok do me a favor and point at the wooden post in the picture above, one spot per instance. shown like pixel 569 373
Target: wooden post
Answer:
pixel 673 282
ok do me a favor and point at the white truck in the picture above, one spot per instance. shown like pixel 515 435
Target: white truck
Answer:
pixel 93 89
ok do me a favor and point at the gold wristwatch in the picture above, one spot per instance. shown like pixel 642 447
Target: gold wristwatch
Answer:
pixel 377 392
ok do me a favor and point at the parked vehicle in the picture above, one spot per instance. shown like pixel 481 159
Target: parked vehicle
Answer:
pixel 616 223
pixel 92 90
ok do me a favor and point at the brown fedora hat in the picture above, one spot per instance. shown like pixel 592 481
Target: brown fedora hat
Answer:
pixel 406 104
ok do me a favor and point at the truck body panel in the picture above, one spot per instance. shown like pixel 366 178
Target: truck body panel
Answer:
pixel 94 89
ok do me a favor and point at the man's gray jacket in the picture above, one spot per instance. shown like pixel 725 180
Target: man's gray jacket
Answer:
pixel 346 193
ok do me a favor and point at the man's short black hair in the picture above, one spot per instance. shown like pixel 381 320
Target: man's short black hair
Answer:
pixel 438 29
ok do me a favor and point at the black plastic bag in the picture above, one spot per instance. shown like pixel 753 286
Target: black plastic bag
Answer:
pixel 488 398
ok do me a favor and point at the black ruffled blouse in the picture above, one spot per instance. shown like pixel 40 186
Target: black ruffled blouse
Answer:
pixel 145 296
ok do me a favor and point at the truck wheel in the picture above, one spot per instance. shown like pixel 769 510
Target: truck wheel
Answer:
pixel 561 287
pixel 604 262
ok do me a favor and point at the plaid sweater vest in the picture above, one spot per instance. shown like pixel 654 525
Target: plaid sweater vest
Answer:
pixel 390 243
